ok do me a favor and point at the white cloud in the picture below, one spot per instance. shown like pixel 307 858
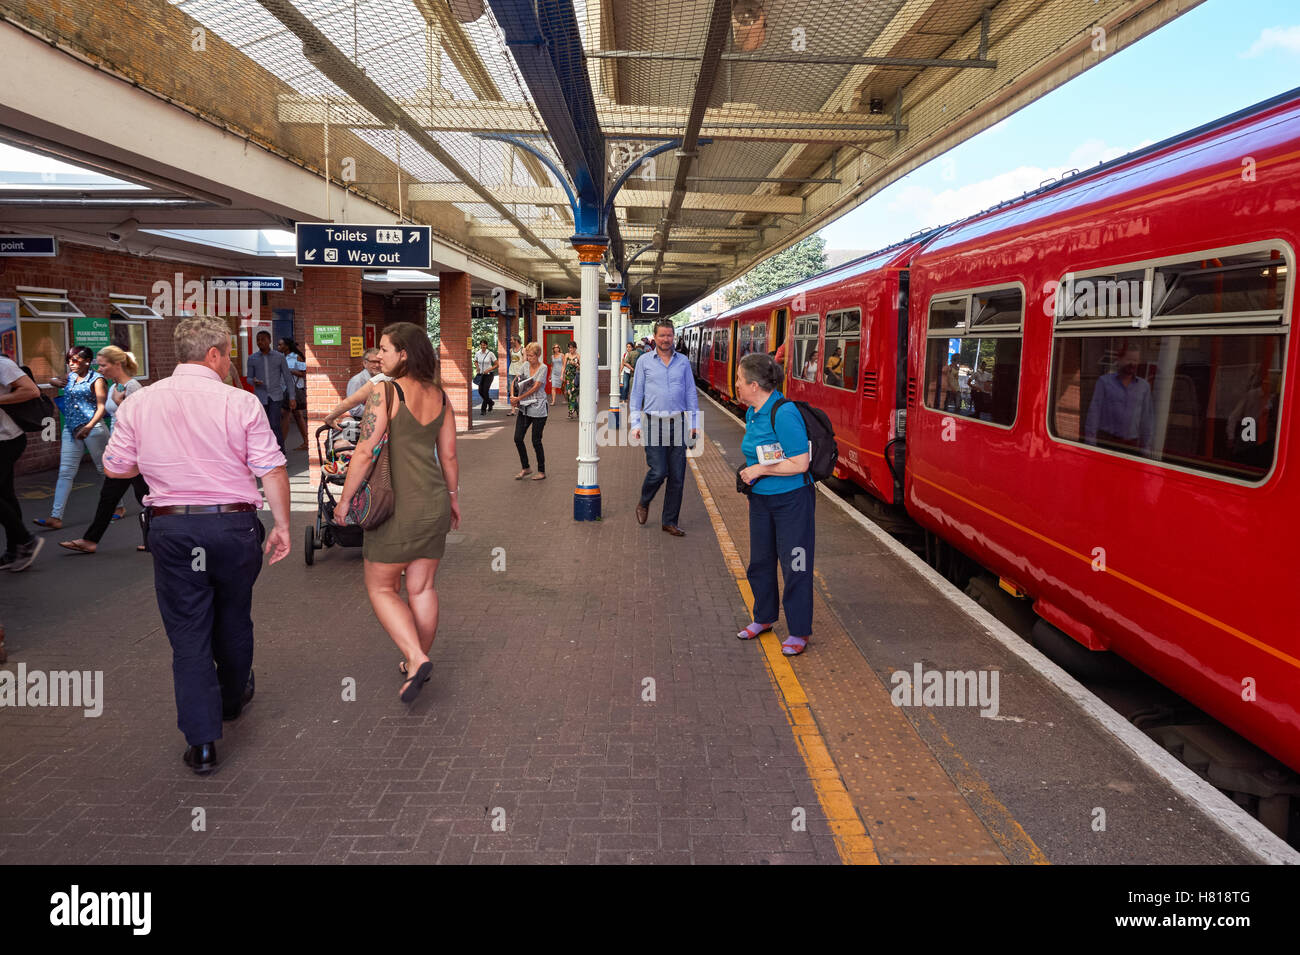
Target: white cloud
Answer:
pixel 1275 38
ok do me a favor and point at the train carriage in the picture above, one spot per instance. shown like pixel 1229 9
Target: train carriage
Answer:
pixel 1092 384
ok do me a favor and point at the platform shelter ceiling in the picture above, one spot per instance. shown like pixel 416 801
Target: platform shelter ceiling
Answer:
pixel 804 108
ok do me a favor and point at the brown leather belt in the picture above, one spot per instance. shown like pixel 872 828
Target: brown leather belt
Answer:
pixel 200 509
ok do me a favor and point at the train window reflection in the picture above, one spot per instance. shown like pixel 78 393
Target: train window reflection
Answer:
pixel 948 313
pixel 806 364
pixel 1249 283
pixel 1205 402
pixel 977 378
pixel 843 347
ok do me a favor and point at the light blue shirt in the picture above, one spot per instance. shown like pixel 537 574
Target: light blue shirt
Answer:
pixel 791 433
pixel 1123 410
pixel 659 389
pixel 274 372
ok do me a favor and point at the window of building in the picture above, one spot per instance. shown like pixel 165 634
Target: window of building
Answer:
pixel 132 337
pixel 43 335
pixel 806 365
pixel 1202 391
pixel 972 354
pixel 843 349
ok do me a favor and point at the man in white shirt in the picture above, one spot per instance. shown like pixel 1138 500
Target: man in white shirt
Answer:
pixel 369 371
pixel 486 363
pixel 21 546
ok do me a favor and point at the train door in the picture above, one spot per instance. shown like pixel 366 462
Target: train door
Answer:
pixel 733 343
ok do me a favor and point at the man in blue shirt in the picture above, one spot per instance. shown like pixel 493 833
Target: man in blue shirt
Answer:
pixel 1121 414
pixel 272 381
pixel 663 388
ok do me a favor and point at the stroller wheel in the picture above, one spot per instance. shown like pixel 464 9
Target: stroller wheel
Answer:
pixel 309 550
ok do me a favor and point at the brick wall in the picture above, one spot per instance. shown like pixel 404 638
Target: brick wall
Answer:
pixel 90 275
pixel 453 356
pixel 329 297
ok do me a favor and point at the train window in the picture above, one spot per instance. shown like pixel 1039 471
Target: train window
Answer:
pixel 975 371
pixel 948 313
pixel 1201 391
pixel 1247 286
pixel 1205 402
pixel 843 349
pixel 805 365
pixel 760 338
pixel 1102 298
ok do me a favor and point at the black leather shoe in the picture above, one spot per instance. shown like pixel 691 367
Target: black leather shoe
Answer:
pixel 201 759
pixel 674 530
pixel 229 713
pixel 642 512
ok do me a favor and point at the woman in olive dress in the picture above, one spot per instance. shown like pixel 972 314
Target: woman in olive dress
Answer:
pixel 413 412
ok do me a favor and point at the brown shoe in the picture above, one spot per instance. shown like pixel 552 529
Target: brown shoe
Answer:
pixel 674 530
pixel 642 513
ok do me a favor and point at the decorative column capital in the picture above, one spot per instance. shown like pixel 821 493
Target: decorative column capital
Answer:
pixel 589 253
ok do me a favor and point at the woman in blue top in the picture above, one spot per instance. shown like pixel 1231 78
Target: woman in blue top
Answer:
pixel 84 394
pixel 781 505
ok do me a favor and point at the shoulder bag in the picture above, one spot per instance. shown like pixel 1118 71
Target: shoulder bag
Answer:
pixel 374 502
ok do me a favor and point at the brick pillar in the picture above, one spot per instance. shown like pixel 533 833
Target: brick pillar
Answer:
pixel 453 355
pixel 328 297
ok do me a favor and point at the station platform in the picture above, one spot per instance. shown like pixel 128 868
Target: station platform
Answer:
pixel 589 704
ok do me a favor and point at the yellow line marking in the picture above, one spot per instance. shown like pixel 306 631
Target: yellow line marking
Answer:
pixel 851 839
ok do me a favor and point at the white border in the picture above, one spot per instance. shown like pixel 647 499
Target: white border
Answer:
pixel 1249 833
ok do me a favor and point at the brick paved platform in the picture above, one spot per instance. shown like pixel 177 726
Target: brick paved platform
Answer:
pixel 536 707
pixel 537 740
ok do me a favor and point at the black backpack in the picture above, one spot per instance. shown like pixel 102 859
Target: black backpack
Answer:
pixel 825 453
pixel 30 415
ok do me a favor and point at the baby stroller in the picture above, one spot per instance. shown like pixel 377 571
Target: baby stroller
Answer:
pixel 334 457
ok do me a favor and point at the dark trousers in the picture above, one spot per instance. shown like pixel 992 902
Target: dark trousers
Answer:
pixel 781 529
pixel 11 514
pixel 204 566
pixel 665 456
pixel 484 386
pixel 522 424
pixel 112 492
pixel 273 411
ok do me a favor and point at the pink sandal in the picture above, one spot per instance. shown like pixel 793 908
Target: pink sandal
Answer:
pixel 793 646
pixel 753 630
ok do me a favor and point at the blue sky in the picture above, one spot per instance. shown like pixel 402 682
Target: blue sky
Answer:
pixel 1217 58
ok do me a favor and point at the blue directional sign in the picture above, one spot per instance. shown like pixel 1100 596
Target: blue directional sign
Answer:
pixel 45 245
pixel 333 245
pixel 649 304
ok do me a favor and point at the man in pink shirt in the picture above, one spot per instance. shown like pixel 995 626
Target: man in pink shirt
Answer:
pixel 201 445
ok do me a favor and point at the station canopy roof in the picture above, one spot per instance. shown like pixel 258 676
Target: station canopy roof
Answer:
pixel 802 108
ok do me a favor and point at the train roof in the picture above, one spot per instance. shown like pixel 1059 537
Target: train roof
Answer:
pixel 1178 154
pixel 1228 139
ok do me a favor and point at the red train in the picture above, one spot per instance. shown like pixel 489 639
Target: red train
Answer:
pixel 1084 391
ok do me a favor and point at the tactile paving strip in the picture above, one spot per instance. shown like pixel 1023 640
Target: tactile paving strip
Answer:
pixel 913 810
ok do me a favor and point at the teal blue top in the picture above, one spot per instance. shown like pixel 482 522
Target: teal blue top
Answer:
pixel 790 434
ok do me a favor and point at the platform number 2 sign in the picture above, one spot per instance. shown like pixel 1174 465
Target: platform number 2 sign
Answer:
pixel 649 304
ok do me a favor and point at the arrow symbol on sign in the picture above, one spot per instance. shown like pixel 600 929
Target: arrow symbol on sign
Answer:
pixel 310 255
pixel 412 237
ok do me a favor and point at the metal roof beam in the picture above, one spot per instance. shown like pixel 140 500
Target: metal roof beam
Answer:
pixel 618 122
pixel 715 38
pixel 801 59
pixel 632 231
pixel 626 199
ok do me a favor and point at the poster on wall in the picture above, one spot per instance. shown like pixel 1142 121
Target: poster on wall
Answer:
pixel 9 328
pixel 91 332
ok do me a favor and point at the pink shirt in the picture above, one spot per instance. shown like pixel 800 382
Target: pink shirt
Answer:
pixel 195 439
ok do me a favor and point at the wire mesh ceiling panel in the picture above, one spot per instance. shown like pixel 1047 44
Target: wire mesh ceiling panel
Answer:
pixel 803 108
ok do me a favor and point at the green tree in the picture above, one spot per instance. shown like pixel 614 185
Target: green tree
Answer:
pixel 800 261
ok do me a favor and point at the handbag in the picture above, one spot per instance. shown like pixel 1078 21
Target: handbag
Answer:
pixel 741 486
pixel 374 502
pixel 31 415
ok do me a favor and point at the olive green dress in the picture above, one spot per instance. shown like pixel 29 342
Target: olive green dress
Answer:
pixel 422 507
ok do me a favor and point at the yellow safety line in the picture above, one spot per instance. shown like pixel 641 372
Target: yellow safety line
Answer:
pixel 851 839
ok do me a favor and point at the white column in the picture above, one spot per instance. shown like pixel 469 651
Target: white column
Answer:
pixel 588 385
